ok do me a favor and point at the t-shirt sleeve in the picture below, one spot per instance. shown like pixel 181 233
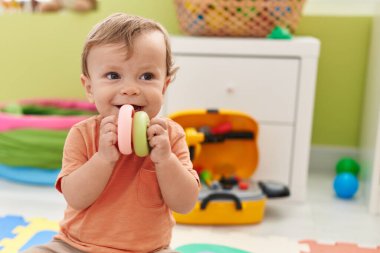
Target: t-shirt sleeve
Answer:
pixel 74 155
pixel 180 148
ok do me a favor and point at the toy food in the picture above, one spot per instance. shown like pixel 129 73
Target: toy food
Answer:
pixel 140 125
pixel 124 137
pixel 132 129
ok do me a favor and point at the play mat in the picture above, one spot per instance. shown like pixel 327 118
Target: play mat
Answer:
pixel 18 233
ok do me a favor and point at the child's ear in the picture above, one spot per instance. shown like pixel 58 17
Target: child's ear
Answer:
pixel 167 82
pixel 86 83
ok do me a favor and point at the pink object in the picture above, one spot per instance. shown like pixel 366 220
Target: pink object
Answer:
pixel 338 248
pixel 9 122
pixel 124 129
pixel 52 122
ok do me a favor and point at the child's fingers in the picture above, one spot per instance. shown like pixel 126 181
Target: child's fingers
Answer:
pixel 155 130
pixel 159 121
pixel 109 127
pixel 107 120
pixel 111 138
pixel 156 141
pixel 108 124
pixel 157 126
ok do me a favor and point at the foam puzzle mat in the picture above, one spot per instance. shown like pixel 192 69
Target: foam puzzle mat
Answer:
pixel 18 234
pixel 316 247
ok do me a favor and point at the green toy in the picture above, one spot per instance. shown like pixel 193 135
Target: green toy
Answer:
pixel 15 109
pixel 19 109
pixel 209 248
pixel 140 140
pixel 349 165
pixel 206 177
pixel 280 33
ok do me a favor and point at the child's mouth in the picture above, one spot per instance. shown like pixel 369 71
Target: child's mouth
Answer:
pixel 135 107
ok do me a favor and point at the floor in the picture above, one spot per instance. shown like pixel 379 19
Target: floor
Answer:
pixel 322 217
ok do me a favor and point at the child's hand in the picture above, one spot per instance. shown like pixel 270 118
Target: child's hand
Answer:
pixel 158 138
pixel 107 139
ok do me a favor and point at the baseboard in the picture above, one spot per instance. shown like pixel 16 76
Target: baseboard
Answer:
pixel 324 158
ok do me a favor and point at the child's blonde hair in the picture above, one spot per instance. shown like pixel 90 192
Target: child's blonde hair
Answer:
pixel 124 28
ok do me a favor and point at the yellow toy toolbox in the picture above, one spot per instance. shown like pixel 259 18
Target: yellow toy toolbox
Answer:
pixel 224 151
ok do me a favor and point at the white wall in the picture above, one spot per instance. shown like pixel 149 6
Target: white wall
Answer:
pixel 370 134
pixel 340 7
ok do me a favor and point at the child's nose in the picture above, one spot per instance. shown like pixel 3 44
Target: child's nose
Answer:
pixel 130 90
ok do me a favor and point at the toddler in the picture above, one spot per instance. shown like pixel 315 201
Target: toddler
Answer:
pixel 118 203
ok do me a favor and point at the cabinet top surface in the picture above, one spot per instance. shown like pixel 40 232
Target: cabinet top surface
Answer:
pixel 303 47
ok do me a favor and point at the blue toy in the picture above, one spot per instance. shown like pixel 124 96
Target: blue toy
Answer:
pixel 346 185
pixel 29 175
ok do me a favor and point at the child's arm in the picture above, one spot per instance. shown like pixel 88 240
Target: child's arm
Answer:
pixel 178 186
pixel 84 185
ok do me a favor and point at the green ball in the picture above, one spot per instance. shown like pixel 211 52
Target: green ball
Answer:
pixel 347 165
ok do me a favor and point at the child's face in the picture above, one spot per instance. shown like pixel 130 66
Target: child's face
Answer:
pixel 140 79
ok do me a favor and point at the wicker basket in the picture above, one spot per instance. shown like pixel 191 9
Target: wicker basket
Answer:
pixel 240 18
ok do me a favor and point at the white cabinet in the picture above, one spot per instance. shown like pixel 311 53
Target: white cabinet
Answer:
pixel 273 81
pixel 263 87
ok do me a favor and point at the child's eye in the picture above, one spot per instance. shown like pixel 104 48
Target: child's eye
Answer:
pixel 147 76
pixel 113 76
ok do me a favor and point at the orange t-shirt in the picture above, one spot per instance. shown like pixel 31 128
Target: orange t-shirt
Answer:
pixel 130 215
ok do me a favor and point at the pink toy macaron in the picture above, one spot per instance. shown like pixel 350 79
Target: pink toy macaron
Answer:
pixel 132 131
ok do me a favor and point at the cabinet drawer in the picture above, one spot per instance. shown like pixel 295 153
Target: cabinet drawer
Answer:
pixel 262 87
pixel 275 153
